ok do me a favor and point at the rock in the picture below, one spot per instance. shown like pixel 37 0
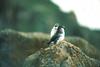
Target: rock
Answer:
pixel 32 59
pixel 16 46
pixel 63 54
pixel 85 46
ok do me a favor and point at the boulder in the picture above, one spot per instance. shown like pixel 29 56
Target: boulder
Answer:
pixel 63 54
pixel 15 46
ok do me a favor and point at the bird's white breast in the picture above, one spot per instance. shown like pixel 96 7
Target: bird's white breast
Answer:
pixel 53 31
pixel 62 36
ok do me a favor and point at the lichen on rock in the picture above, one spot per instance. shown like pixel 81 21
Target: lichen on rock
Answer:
pixel 63 54
pixel 15 46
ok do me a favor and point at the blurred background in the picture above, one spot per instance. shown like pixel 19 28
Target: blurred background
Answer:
pixel 81 18
pixel 41 15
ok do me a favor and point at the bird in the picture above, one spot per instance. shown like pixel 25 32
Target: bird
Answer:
pixel 58 36
pixel 54 29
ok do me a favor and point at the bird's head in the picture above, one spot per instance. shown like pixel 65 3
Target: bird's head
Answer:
pixel 56 25
pixel 61 29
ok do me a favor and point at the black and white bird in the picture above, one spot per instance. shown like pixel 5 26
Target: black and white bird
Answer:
pixel 58 36
pixel 54 29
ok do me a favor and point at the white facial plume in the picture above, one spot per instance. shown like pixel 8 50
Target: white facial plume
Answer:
pixel 54 29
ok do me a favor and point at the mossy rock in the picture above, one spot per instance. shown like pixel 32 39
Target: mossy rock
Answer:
pixel 15 46
pixel 63 54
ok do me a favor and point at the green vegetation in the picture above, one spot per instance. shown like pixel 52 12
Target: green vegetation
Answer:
pixel 38 16
pixel 16 46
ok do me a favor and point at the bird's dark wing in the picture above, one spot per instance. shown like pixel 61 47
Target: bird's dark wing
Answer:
pixel 54 39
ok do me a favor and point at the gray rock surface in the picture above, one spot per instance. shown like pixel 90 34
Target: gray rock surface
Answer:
pixel 15 46
pixel 63 54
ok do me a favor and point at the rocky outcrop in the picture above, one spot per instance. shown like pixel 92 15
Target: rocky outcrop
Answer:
pixel 85 46
pixel 16 46
pixel 63 54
